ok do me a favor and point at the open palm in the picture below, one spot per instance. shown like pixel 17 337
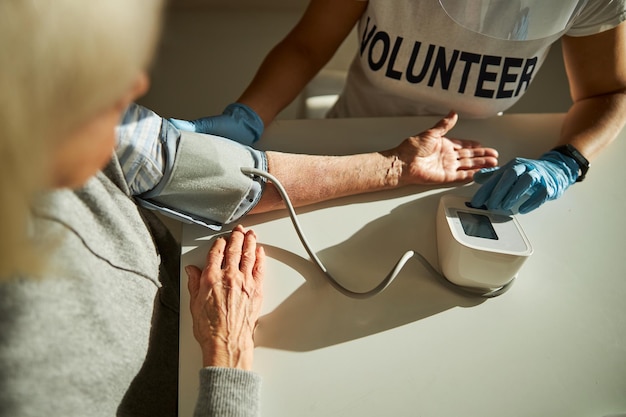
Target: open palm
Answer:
pixel 432 158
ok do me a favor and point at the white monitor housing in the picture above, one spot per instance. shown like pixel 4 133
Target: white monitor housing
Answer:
pixel 478 248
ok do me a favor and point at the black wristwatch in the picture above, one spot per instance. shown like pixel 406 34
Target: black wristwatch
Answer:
pixel 572 152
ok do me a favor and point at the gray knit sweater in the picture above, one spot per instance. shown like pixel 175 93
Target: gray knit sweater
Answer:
pixel 97 335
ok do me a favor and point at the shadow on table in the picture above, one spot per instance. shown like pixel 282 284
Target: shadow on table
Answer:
pixel 316 315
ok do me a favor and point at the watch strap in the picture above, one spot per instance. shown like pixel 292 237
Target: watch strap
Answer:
pixel 572 152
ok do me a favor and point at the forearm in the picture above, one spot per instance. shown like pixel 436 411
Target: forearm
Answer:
pixel 310 179
pixel 593 123
pixel 427 158
pixel 305 50
pixel 283 74
pixel 596 70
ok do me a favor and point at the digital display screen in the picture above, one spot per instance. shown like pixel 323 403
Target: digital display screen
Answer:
pixel 477 225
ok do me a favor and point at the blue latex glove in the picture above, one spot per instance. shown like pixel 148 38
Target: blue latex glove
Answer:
pixel 238 122
pixel 539 181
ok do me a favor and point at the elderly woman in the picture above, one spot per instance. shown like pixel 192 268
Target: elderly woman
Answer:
pixel 89 300
pixel 89 294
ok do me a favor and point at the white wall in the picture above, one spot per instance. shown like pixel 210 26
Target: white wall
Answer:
pixel 207 57
pixel 211 49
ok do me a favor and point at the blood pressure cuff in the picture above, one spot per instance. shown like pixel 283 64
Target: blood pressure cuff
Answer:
pixel 203 182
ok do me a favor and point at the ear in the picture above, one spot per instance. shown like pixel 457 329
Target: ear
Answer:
pixel 138 88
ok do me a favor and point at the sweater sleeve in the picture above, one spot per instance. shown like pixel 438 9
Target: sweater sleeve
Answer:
pixel 227 392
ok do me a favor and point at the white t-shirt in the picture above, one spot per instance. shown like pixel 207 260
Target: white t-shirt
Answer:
pixel 413 59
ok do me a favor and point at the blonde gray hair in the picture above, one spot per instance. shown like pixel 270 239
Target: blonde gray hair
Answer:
pixel 61 61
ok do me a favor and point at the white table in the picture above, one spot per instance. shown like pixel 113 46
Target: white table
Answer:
pixel 554 345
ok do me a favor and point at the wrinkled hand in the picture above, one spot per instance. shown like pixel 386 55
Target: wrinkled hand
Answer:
pixel 226 300
pixel 432 158
pixel 530 181
pixel 238 122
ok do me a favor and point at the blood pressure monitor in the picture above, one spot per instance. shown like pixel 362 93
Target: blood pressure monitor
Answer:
pixel 479 251
pixel 478 248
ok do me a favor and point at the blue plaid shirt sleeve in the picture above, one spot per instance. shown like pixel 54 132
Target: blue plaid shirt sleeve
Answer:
pixel 140 148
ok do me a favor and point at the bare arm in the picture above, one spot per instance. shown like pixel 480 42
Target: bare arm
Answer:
pixel 300 55
pixel 427 158
pixel 596 68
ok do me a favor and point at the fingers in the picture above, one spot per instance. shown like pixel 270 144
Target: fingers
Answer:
pixel 248 253
pixel 483 194
pixel 258 272
pixel 232 254
pixel 215 257
pixel 465 144
pixel 241 250
pixel 498 187
pixel 252 263
pixel 477 163
pixel 483 175
pixel 535 200
pixel 472 149
pixel 239 253
pixel 471 155
pixel 193 282
pixel 525 185
pixel 444 125
pixel 462 176
pixel 466 148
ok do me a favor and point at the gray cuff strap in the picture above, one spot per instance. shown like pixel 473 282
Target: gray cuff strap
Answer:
pixel 205 184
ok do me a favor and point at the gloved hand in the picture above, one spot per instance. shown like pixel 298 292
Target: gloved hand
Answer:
pixel 539 181
pixel 238 122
